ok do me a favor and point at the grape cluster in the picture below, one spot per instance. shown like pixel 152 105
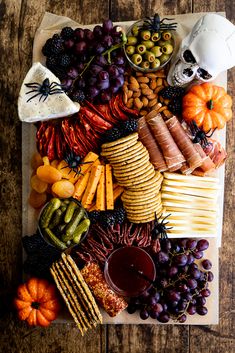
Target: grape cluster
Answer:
pixel 181 285
pixel 90 64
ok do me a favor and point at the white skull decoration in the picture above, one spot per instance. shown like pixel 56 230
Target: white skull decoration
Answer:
pixel 206 51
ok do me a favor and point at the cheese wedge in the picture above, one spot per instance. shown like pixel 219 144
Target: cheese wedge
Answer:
pixel 209 193
pixel 191 178
pixel 54 106
pixel 176 204
pixel 191 184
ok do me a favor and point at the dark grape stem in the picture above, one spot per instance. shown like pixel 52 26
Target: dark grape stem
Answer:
pixel 115 47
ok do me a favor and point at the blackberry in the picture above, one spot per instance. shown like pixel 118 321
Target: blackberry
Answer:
pixel 119 215
pixel 78 96
pixel 107 219
pixel 46 49
pixel 129 127
pixel 112 135
pixel 53 46
pixel 94 216
pixel 67 33
pixel 33 243
pixel 175 106
pixel 64 60
pixel 172 92
pixel 51 62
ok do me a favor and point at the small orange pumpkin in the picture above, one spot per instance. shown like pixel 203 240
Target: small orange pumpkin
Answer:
pixel 37 302
pixel 208 105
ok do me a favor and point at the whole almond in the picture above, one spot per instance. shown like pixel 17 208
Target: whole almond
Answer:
pixel 143 112
pixel 158 89
pixel 151 96
pixel 124 87
pixel 144 85
pixel 143 79
pixel 159 81
pixel 125 98
pixel 133 80
pixel 134 87
pixel 137 103
pixel 151 75
pixel 145 101
pixel 157 106
pixel 146 91
pixel 161 74
pixel 129 94
pixel 162 109
pixel 153 84
pixel 152 103
pixel 130 103
pixel 137 94
pixel 138 74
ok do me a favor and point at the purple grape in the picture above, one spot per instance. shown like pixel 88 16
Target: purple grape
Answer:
pixel 144 314
pixel 92 92
pixel 191 309
pixel 152 300
pixel 98 31
pixel 136 301
pixel 182 305
pixel 172 271
pixel 153 314
pixel 183 269
pixel 113 89
pixel 99 48
pixel 72 72
pixel 195 273
pixel 92 81
pixel 83 57
pixel 202 244
pixel 182 318
pixel 206 264
pixel 89 35
pixel 201 301
pixel 69 43
pixel 113 71
pixel 193 266
pixel 193 301
pixel 79 34
pixel 95 69
pixel 188 296
pixel 191 244
pixel 143 297
pixel 176 248
pixel 182 243
pixel 182 288
pixel 107 26
pixel 117 40
pixel 202 310
pixel 163 304
pixel 67 83
pixel 105 97
pixel 103 85
pixel 107 41
pixel 100 60
pixel 116 31
pixel 163 317
pixel 80 67
pixel 119 81
pixel 119 60
pixel 165 243
pixel 210 276
pixel 164 282
pixel 131 309
pixel 173 295
pixel 80 47
pixel 205 293
pixel 162 257
pixel 181 260
pixel 103 75
pixel 198 254
pixel 192 283
pixel 190 259
pixel 157 307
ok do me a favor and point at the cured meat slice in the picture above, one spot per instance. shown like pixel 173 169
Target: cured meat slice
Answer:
pixel 216 152
pixel 184 143
pixel 112 303
pixel 207 163
pixel 173 156
pixel 149 142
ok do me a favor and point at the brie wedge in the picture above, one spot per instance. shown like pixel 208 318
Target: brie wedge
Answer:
pixel 53 106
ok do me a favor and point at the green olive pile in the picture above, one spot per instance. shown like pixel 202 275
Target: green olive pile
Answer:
pixel 149 50
pixel 63 222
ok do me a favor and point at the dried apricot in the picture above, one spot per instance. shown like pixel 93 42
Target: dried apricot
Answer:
pixel 54 163
pixel 36 160
pixel 37 200
pixel 66 172
pixel 63 188
pixel 48 174
pixel 38 185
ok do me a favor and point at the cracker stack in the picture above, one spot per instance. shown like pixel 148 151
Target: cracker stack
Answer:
pixel 133 170
pixel 76 294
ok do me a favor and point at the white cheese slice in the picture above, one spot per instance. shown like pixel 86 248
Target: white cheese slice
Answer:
pixel 54 106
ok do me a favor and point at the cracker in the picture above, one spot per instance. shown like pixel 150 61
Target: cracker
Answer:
pixel 140 195
pixel 143 211
pixel 64 296
pixel 122 140
pixel 144 219
pixel 127 156
pixel 130 160
pixel 84 286
pixel 120 173
pixel 134 174
pixel 122 149
pixel 145 185
pixel 133 165
pixel 140 201
pixel 138 180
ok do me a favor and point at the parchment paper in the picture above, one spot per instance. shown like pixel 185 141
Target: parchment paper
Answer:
pixel 52 24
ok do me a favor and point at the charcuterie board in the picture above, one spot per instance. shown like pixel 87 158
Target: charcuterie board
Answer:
pixel 52 24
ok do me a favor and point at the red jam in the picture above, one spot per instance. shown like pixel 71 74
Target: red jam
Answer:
pixel 129 271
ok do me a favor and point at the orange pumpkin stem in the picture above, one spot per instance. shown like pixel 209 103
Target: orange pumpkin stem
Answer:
pixel 210 104
pixel 35 305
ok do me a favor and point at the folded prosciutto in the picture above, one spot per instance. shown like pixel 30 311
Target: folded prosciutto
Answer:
pixel 172 155
pixel 184 143
pixel 149 142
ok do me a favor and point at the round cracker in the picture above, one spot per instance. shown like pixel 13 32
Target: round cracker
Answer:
pixel 132 165
pixel 135 193
pixel 126 156
pixel 127 172
pixel 135 175
pixel 126 149
pixel 140 202
pixel 144 207
pixel 138 180
pixel 140 197
pixel 127 161
pixel 139 212
pixel 143 220
pixel 146 184
pixel 120 141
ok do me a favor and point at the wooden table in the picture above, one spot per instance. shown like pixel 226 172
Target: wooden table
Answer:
pixel 18 22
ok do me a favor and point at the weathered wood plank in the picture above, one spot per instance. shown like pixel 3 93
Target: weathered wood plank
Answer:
pixel 220 338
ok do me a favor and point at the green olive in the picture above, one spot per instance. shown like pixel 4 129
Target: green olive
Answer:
pixel 141 49
pixel 145 35
pixel 167 48
pixel 155 64
pixel 145 65
pixel 135 30
pixel 147 43
pixel 163 58
pixel 149 56
pixel 166 35
pixel 157 51
pixel 155 36
pixel 130 49
pixel 136 59
pixel 131 40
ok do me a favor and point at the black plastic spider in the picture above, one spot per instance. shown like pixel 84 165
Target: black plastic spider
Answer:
pixel 155 24
pixel 199 136
pixel 74 163
pixel 160 229
pixel 45 89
